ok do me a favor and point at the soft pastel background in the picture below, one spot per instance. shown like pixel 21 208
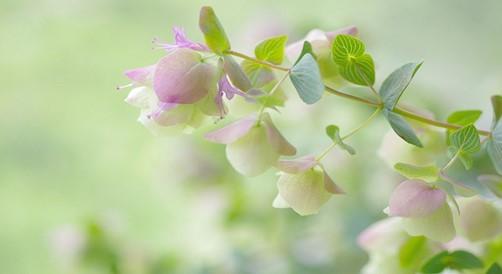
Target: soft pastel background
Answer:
pixel 74 162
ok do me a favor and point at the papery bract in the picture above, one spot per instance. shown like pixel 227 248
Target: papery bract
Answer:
pixel 437 226
pixel 304 186
pixel 382 235
pixel 415 198
pixel 182 77
pixel 479 220
pixel 253 145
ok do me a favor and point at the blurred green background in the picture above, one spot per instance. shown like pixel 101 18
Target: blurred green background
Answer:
pixel 73 158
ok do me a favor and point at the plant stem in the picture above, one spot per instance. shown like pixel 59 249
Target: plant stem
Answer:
pixel 432 122
pixel 351 97
pixel 274 88
pixel 244 56
pixel 406 113
pixel 361 126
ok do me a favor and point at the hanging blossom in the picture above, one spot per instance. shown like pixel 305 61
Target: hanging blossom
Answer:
pixel 423 209
pixel 253 144
pixel 181 88
pixel 304 186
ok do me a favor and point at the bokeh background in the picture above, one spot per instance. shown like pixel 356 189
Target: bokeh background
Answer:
pixel 75 166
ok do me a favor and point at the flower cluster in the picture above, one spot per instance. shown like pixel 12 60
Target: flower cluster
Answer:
pixel 194 81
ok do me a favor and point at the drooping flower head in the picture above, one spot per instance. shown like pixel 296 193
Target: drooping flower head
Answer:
pixel 253 144
pixel 181 88
pixel 304 186
pixel 424 210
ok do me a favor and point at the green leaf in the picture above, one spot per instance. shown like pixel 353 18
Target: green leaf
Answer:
pixel 466 140
pixel 463 260
pixel 402 128
pixel 411 250
pixel 456 260
pixel 307 48
pixel 346 47
pixel 497 107
pixel 333 132
pixel 272 49
pixel 427 173
pixel 494 147
pixel 214 34
pixel 464 117
pixel 259 75
pixel 435 264
pixel 235 73
pixel 396 83
pixel 355 65
pixel 494 269
pixel 306 78
pixel 360 70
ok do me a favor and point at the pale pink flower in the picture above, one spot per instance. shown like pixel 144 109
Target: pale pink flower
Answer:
pixel 253 144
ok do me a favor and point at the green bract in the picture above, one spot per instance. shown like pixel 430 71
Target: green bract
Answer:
pixel 272 49
pixel 355 65
pixel 214 34
pixel 402 128
pixel 396 83
pixel 427 173
pixel 306 78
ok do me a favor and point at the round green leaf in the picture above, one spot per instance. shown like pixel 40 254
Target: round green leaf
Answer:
pixel 306 78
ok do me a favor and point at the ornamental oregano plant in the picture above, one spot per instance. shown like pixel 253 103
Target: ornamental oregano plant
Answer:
pixel 194 81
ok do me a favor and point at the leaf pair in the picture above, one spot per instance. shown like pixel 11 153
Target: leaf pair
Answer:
pixel 391 91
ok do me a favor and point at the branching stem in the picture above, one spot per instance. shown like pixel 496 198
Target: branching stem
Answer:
pixel 403 112
pixel 361 126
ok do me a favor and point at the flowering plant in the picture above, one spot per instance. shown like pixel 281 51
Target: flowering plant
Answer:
pixel 433 218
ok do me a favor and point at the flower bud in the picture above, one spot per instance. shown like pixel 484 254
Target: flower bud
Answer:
pixel 181 77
